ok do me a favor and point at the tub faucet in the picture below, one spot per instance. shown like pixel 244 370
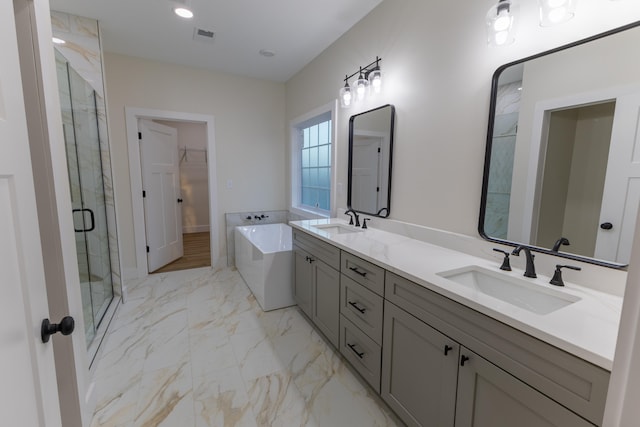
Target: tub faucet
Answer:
pixel 530 270
pixel 355 215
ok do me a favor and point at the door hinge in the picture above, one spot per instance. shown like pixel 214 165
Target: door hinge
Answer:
pixel 378 149
pixel 378 189
pixel 144 193
pixel 147 249
pixel 140 136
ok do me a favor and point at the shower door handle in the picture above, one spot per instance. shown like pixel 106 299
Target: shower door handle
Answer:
pixel 91 216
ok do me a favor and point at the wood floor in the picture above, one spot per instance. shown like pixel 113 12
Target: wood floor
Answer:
pixel 197 253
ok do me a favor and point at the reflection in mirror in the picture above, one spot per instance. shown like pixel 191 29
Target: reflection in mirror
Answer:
pixel 562 166
pixel 370 155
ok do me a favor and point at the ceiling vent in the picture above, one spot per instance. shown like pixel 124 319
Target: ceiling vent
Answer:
pixel 202 35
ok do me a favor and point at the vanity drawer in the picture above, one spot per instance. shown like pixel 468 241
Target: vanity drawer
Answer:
pixel 361 351
pixel 367 274
pixel 362 307
pixel 316 247
pixel 565 378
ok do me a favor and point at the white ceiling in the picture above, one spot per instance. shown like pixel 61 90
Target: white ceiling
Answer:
pixel 296 30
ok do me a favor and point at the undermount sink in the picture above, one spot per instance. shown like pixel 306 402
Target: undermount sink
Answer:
pixel 512 290
pixel 337 228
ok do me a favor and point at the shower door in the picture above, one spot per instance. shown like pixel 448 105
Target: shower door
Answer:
pixel 82 143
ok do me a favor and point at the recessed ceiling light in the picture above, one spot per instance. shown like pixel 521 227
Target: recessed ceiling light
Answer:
pixel 183 12
pixel 56 40
pixel 267 53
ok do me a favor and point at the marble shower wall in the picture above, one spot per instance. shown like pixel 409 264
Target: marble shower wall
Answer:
pixel 502 150
pixel 83 52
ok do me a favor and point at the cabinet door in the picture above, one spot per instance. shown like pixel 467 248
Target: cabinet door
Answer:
pixel 326 300
pixel 490 397
pixel 302 280
pixel 419 369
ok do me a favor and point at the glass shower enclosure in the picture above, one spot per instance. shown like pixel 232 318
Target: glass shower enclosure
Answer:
pixel 82 143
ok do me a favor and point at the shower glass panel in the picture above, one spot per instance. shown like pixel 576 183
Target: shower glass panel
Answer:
pixel 82 143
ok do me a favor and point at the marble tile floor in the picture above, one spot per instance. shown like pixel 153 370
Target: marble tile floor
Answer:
pixel 193 348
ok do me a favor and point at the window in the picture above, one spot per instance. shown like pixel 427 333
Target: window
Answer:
pixel 312 171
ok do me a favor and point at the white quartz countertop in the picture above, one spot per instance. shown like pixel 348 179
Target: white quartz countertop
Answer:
pixel 587 328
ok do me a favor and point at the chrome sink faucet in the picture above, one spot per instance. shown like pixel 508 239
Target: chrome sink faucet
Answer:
pixel 355 215
pixel 530 270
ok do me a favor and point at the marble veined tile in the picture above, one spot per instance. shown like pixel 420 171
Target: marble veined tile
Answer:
pixel 277 402
pixel 256 354
pixel 211 351
pixel 195 349
pixel 166 398
pixel 221 400
pixel 117 396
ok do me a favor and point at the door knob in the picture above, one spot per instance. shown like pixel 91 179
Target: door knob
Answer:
pixel 65 327
pixel 179 200
pixel 606 226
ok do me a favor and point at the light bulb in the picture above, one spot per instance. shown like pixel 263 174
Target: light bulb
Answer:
pixel 183 12
pixel 501 37
pixel 375 80
pixel 345 95
pixel 554 12
pixel 346 98
pixel 555 3
pixel 557 15
pixel 502 22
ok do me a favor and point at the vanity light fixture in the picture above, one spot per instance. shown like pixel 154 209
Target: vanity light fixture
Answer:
pixel 369 77
pixel 500 22
pixel 362 87
pixel 554 12
pixel 345 94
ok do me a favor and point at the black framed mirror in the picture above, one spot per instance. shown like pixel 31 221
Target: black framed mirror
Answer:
pixel 370 159
pixel 562 161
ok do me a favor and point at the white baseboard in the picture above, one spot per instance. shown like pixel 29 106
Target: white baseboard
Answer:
pixel 129 274
pixel 195 229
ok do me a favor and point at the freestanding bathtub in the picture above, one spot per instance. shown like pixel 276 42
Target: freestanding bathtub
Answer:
pixel 264 259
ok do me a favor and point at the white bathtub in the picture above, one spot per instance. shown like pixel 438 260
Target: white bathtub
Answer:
pixel 264 259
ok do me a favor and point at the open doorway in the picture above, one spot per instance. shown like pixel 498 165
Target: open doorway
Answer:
pixel 193 164
pixel 195 157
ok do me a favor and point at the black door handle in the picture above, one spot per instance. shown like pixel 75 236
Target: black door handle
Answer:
pixel 179 200
pixel 65 327
pixel 606 226
pixel 93 220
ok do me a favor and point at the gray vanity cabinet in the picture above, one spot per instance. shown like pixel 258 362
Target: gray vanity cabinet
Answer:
pixel 325 304
pixel 316 284
pixel 490 397
pixel 419 370
pixel 302 279
pixel 503 377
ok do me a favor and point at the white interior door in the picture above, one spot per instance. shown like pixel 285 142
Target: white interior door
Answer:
pixel 28 389
pixel 622 183
pixel 365 165
pixel 161 187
